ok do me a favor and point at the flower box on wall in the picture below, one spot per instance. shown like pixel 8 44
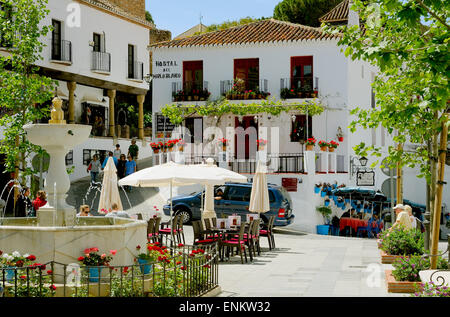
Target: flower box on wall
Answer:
pixel 394 286
pixel 388 258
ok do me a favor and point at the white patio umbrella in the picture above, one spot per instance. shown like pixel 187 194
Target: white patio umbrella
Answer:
pixel 259 197
pixel 110 192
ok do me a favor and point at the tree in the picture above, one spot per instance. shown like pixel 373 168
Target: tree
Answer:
pixel 229 24
pixel 408 41
pixel 148 17
pixel 22 90
pixel 305 12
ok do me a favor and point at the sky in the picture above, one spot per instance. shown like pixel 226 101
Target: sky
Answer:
pixel 178 16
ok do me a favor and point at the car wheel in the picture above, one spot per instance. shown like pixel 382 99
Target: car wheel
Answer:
pixel 185 214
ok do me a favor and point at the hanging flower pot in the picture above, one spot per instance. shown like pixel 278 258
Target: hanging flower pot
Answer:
pixel 316 189
pixel 323 193
pixel 341 139
pixel 327 202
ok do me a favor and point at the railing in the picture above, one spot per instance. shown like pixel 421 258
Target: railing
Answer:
pixel 62 51
pixel 278 163
pixel 190 91
pixel 135 70
pixel 185 271
pixel 241 90
pixel 299 87
pixel 101 61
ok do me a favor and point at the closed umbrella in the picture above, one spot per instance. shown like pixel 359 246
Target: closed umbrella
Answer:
pixel 110 192
pixel 259 197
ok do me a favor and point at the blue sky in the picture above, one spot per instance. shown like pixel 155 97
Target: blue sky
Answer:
pixel 178 16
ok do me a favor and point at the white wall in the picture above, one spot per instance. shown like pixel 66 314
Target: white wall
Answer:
pixel 118 34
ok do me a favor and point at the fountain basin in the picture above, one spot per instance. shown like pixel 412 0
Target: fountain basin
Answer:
pixel 66 244
pixel 51 135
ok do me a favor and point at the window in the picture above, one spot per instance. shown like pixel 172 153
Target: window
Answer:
pixel 302 72
pixel 299 128
pixel 131 59
pixel 56 40
pixel 192 75
pixel 248 71
pixel 195 128
pixel 97 42
pixel 238 193
pixel 69 158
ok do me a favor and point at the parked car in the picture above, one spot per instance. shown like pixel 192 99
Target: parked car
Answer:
pixel 235 199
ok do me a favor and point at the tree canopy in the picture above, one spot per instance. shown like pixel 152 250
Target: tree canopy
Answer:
pixel 148 17
pixel 305 12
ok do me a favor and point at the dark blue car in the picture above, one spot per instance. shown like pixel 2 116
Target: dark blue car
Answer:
pixel 235 199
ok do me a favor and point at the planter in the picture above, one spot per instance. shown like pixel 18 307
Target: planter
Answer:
pixel 327 203
pixel 170 149
pixel 309 147
pixel 9 274
pixel 331 149
pixel 224 148
pixel 181 149
pixel 323 193
pixel 316 190
pixel 189 98
pixel 341 139
pixel 145 266
pixel 195 98
pixel 394 286
pixel 261 148
pixel 323 229
pixel 156 151
pixel 388 258
pixel 323 148
pixel 94 273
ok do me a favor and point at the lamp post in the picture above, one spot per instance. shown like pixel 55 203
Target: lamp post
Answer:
pixel 362 162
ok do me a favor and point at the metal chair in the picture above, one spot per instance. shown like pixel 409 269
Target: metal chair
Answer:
pixel 238 243
pixel 268 232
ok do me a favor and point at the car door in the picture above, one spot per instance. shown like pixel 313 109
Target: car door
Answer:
pixel 236 199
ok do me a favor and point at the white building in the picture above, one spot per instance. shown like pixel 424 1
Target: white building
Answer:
pixel 274 57
pixel 98 54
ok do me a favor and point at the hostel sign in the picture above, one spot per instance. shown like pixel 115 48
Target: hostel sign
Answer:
pixel 164 70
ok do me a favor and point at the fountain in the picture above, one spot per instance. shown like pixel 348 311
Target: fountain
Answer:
pixel 56 233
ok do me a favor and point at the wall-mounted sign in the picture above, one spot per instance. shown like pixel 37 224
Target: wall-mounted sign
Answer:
pixel 365 178
pixel 163 124
pixel 290 184
pixel 164 70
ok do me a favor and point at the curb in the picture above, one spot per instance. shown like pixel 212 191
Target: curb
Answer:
pixel 291 232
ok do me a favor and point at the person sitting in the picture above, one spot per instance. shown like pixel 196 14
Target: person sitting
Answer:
pixel 219 194
pixel 84 211
pixel 116 213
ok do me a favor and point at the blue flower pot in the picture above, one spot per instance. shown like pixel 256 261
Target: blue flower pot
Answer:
pixel 144 266
pixel 316 190
pixel 323 193
pixel 9 274
pixel 327 202
pixel 323 229
pixel 94 274
pixel 347 200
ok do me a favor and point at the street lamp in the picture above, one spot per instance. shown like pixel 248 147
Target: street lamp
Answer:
pixel 354 166
pixel 148 78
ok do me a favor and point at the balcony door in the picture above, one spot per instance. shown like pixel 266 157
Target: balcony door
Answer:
pixel 192 75
pixel 131 60
pixel 56 40
pixel 248 70
pixel 249 148
pixel 302 72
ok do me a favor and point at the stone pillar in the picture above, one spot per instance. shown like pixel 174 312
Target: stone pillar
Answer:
pixel 112 99
pixel 71 85
pixel 140 100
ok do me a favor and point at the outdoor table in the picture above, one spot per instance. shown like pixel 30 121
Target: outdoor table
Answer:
pixel 354 223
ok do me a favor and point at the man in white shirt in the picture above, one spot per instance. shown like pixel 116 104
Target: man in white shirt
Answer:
pixel 402 217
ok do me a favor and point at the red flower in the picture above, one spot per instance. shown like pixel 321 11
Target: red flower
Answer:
pixel 181 245
pixel 23 277
pixel 183 268
pixel 207 266
pixel 31 257
pixel 113 252
pixel 125 269
pixel 81 258
pixel 53 287
pixel 49 272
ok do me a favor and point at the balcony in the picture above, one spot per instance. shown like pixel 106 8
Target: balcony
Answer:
pixel 135 70
pixel 101 62
pixel 190 91
pixel 62 52
pixel 299 87
pixel 239 89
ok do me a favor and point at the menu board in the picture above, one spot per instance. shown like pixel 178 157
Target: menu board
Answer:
pixel 161 126
pixel 290 184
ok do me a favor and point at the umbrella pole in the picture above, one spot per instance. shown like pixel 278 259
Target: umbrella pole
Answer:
pixel 171 214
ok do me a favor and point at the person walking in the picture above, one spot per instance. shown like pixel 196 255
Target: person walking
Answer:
pixel 408 209
pixel 94 168
pixel 117 152
pixel 403 219
pixel 133 150
pixel 130 168
pixel 121 166
pixel 110 154
pixel 23 203
pixel 41 200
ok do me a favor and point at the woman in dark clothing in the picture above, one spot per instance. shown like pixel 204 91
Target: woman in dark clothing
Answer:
pixel 121 166
pixel 23 203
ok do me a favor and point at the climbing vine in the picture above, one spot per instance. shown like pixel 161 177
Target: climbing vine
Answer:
pixel 177 112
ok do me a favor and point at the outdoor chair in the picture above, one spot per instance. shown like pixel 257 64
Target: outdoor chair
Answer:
pixel 168 231
pixel 180 231
pixel 150 229
pixel 155 233
pixel 251 238
pixel 238 243
pixel 367 229
pixel 198 235
pixel 268 232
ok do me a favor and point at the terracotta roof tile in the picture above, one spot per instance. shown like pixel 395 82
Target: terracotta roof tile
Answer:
pixel 337 14
pixel 264 31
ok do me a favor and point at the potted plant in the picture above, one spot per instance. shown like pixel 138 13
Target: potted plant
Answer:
pixel 310 144
pixel 181 144
pixel 317 187
pixel 95 261
pixel 14 260
pixel 323 145
pixel 332 145
pixel 340 134
pixel 261 143
pixel 155 147
pixel 223 142
pixel 150 256
pixel 170 144
pixel 326 213
pixel 400 242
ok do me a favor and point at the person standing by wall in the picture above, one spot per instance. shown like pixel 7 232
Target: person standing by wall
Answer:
pixel 23 204
pixel 133 150
pixel 94 168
